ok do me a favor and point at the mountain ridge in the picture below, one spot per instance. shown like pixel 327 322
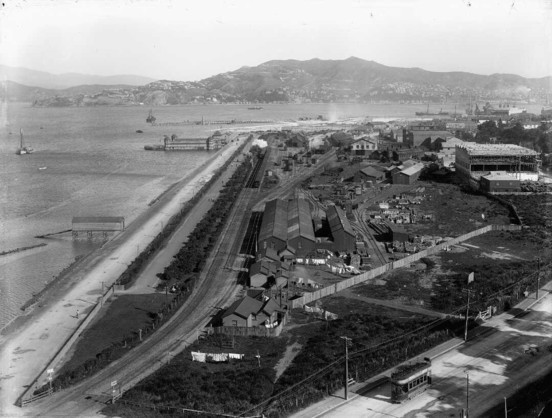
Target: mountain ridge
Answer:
pixel 314 80
pixel 42 79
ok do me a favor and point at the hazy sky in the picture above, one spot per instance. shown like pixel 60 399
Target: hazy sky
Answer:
pixel 191 40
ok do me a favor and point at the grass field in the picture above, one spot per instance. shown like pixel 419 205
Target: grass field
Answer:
pixel 116 323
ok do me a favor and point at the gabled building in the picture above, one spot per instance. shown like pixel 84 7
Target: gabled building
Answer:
pixel 448 148
pixel 364 146
pixel 273 232
pixel 287 227
pixel 408 175
pixel 260 273
pixel 340 228
pixel 370 174
pixel 300 232
pixel 249 312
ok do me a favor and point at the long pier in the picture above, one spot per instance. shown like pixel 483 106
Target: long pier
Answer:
pixel 212 122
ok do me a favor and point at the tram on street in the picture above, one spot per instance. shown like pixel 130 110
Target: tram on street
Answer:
pixel 410 380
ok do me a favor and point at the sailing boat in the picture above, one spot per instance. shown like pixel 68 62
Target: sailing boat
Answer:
pixel 22 148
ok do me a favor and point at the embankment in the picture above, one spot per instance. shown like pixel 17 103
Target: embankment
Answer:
pixel 18 250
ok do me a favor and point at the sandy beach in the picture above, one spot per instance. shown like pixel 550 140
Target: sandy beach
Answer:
pixel 30 342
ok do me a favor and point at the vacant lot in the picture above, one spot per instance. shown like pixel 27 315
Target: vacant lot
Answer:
pixel 455 212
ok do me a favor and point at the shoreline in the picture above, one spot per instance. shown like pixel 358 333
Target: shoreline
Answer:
pixel 33 339
pixel 28 308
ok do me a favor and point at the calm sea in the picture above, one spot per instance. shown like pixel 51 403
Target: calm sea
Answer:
pixel 91 162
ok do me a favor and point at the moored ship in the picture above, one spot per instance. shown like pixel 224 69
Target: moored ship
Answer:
pixel 150 118
pixel 22 150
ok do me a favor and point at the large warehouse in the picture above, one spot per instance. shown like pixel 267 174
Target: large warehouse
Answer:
pixel 273 233
pixel 475 160
pixel 287 225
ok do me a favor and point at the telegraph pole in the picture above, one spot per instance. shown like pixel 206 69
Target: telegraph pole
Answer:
pixel 347 340
pixel 468 291
pixel 538 276
pixel 467 312
pixel 467 393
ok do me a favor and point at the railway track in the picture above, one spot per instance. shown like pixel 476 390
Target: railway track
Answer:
pixel 365 230
pixel 216 288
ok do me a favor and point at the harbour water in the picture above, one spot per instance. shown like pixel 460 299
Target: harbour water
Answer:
pixel 91 162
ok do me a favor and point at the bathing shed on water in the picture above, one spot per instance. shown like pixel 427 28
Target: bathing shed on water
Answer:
pixel 91 224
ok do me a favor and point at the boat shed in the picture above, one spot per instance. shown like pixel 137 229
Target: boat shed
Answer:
pixel 90 224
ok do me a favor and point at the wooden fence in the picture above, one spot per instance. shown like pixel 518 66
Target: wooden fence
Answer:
pixel 404 262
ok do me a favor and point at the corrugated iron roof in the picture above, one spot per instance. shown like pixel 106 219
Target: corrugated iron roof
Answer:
pixel 372 172
pixel 338 220
pixel 244 307
pixel 300 219
pixel 416 168
pixel 274 222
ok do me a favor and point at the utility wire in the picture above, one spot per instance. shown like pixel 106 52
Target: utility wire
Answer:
pixel 356 353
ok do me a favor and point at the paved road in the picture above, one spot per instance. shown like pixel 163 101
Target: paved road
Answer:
pixel 499 362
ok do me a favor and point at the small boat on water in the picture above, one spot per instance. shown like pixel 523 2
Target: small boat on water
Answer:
pixel 22 150
pixel 255 108
pixel 42 168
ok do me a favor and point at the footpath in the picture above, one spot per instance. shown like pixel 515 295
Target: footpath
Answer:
pixel 337 399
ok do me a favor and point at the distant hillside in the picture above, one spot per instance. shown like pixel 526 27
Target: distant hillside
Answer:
pixel 73 96
pixel 46 80
pixel 350 80
pixel 355 80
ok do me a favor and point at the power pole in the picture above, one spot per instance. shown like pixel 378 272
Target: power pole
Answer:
pixel 467 312
pixel 347 340
pixel 505 408
pixel 467 393
pixel 468 291
pixel 538 276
